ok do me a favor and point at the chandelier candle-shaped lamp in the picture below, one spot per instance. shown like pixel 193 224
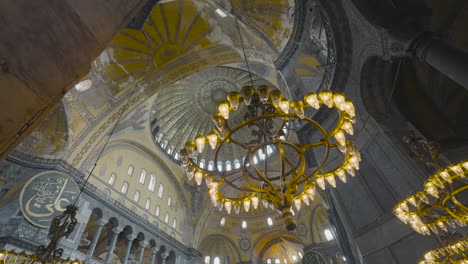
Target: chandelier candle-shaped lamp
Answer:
pixel 272 169
pixel 440 205
pixel 454 253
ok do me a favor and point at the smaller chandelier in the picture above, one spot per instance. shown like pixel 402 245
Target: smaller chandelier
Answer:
pixel 272 170
pixel 438 205
pixel 453 253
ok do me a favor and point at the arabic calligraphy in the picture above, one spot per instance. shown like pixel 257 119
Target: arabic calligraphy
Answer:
pixel 47 195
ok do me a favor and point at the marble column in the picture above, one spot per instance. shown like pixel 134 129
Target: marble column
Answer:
pixel 448 59
pixel 154 251
pixel 99 225
pixel 130 239
pixel 143 244
pixel 115 234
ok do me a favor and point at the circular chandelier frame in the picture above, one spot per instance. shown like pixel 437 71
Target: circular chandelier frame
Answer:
pixel 288 187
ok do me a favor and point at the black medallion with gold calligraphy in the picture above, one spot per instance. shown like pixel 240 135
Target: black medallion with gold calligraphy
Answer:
pixel 46 196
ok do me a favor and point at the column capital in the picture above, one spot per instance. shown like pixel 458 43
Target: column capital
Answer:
pixel 154 251
pixel 102 222
pixel 143 243
pixel 117 230
pixel 131 237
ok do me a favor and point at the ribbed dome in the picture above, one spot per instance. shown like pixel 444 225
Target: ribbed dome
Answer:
pixel 184 110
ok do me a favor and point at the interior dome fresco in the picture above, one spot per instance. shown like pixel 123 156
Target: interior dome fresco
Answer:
pixel 234 132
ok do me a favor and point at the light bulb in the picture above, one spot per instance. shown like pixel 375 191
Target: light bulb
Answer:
pixel 339 101
pixel 297 203
pixel 190 171
pixel 233 98
pixel 219 120
pixel 327 98
pixel 255 202
pixel 342 175
pixel 298 108
pixel 465 165
pixel 263 92
pixel 276 96
pixel 212 140
pixel 404 206
pixel 208 180
pixel 223 109
pixel 446 176
pixel 237 208
pixel 305 199
pixel 198 177
pixel 191 147
pixel 184 156
pixel 200 142
pixel 331 180
pixel 413 201
pixel 246 93
pixel 350 169
pixel 348 127
pixel 354 161
pixel 284 105
pixel 321 182
pixel 311 192
pixel 312 100
pixel 457 170
pixel 246 205
pixel 423 198
pixel 349 108
pixel 227 206
pixel 340 138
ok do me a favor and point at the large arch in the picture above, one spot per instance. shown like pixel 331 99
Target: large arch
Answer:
pixel 220 246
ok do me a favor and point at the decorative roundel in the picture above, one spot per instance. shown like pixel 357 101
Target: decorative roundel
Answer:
pixel 302 230
pixel 244 244
pixel 46 196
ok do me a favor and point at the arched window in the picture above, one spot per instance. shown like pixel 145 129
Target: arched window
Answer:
pixel 294 259
pixel 220 166
pixel 210 165
pixel 169 201
pixel 130 170
pixel 228 165
pixel 152 182
pixel 244 224
pixel 269 150
pixel 147 204
pixel 269 221
pixel 328 234
pixel 176 155
pixel 223 221
pixel 157 211
pixel 236 164
pixel 136 197
pixel 112 179
pixel 160 190
pixel 207 260
pixel 164 144
pixel 143 176
pixel 159 137
pixel 124 188
pixel 170 150
pixel 216 261
pixel 268 261
pixel 174 223
pixel 277 261
pixel 166 218
pixel 202 163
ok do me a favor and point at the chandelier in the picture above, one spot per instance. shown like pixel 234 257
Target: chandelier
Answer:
pixel 273 168
pixel 454 253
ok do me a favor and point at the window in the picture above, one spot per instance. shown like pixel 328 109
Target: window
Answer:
pixel 244 224
pixel 294 258
pixel 202 163
pixel 143 176
pixel 160 190
pixel 124 188
pixel 130 170
pixel 236 164
pixel 220 166
pixel 228 166
pixel 147 204
pixel 223 221
pixel 328 235
pixel 112 179
pixel 210 165
pixel 216 261
pixel 169 201
pixel 170 150
pixel 176 155
pixel 277 261
pixel 269 150
pixel 268 261
pixel 152 182
pixel 157 211
pixel 269 221
pixel 174 223
pixel 300 254
pixel 136 197
pixel 207 260
pixel 166 218
pixel 164 144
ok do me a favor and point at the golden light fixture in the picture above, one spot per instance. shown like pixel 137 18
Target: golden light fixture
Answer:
pixel 273 169
pixel 24 258
pixel 453 253
pixel 437 206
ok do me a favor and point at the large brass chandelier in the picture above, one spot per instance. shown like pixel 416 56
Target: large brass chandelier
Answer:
pixel 273 169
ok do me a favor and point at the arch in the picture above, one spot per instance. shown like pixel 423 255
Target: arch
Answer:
pixel 171 259
pixel 124 188
pixel 112 179
pixel 90 230
pixel 319 223
pixel 221 246
pixel 266 241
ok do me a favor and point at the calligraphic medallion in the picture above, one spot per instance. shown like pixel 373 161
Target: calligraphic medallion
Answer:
pixel 46 196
